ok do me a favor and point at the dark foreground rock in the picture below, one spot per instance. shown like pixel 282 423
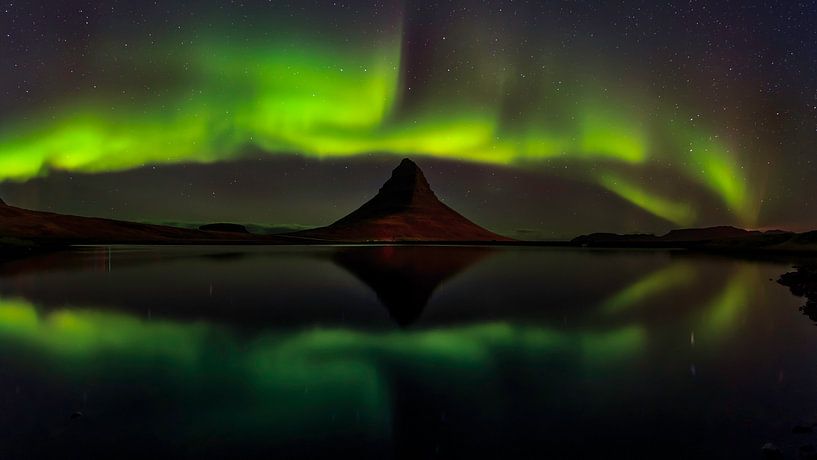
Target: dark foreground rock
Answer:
pixel 803 283
pixel 770 451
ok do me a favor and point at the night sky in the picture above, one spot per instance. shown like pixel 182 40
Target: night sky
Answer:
pixel 536 119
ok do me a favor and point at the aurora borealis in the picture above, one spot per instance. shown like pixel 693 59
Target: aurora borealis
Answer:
pixel 661 115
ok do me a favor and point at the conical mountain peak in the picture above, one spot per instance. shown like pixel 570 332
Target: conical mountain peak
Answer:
pixel 404 209
pixel 406 163
pixel 406 186
pixel 406 175
pixel 406 170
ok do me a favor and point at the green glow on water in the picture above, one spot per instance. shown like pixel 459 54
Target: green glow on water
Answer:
pixel 290 380
pixel 723 312
pixel 647 288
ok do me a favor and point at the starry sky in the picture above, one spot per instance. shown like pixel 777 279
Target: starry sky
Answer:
pixel 535 119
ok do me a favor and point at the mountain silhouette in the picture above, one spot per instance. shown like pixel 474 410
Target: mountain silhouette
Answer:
pixel 225 228
pixel 405 277
pixel 60 229
pixel 405 209
pixel 708 233
pixel 716 238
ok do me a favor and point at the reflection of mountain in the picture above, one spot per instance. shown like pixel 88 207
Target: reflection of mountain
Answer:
pixel 100 259
pixel 217 281
pixel 405 277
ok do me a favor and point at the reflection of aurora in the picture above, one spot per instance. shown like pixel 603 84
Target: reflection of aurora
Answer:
pixel 720 312
pixel 319 383
pixel 324 99
pixel 724 310
pixel 295 379
pixel 649 286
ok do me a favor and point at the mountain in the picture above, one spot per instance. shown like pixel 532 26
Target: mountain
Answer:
pixel 224 227
pixel 713 238
pixel 707 234
pixel 59 229
pixel 614 239
pixel 405 209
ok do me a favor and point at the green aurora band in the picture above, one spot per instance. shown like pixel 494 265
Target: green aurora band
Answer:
pixel 326 99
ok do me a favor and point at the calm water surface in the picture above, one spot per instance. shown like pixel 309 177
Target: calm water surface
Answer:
pixel 400 352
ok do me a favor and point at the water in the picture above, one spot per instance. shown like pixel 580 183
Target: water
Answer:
pixel 400 352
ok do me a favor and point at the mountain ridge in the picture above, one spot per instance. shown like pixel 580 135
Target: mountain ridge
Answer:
pixel 405 208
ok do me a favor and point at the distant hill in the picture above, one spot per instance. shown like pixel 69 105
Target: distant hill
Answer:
pixel 713 238
pixel 255 229
pixel 405 209
pixel 707 234
pixel 224 227
pixel 605 239
pixel 51 228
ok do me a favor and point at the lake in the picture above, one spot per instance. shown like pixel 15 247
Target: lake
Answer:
pixel 401 352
